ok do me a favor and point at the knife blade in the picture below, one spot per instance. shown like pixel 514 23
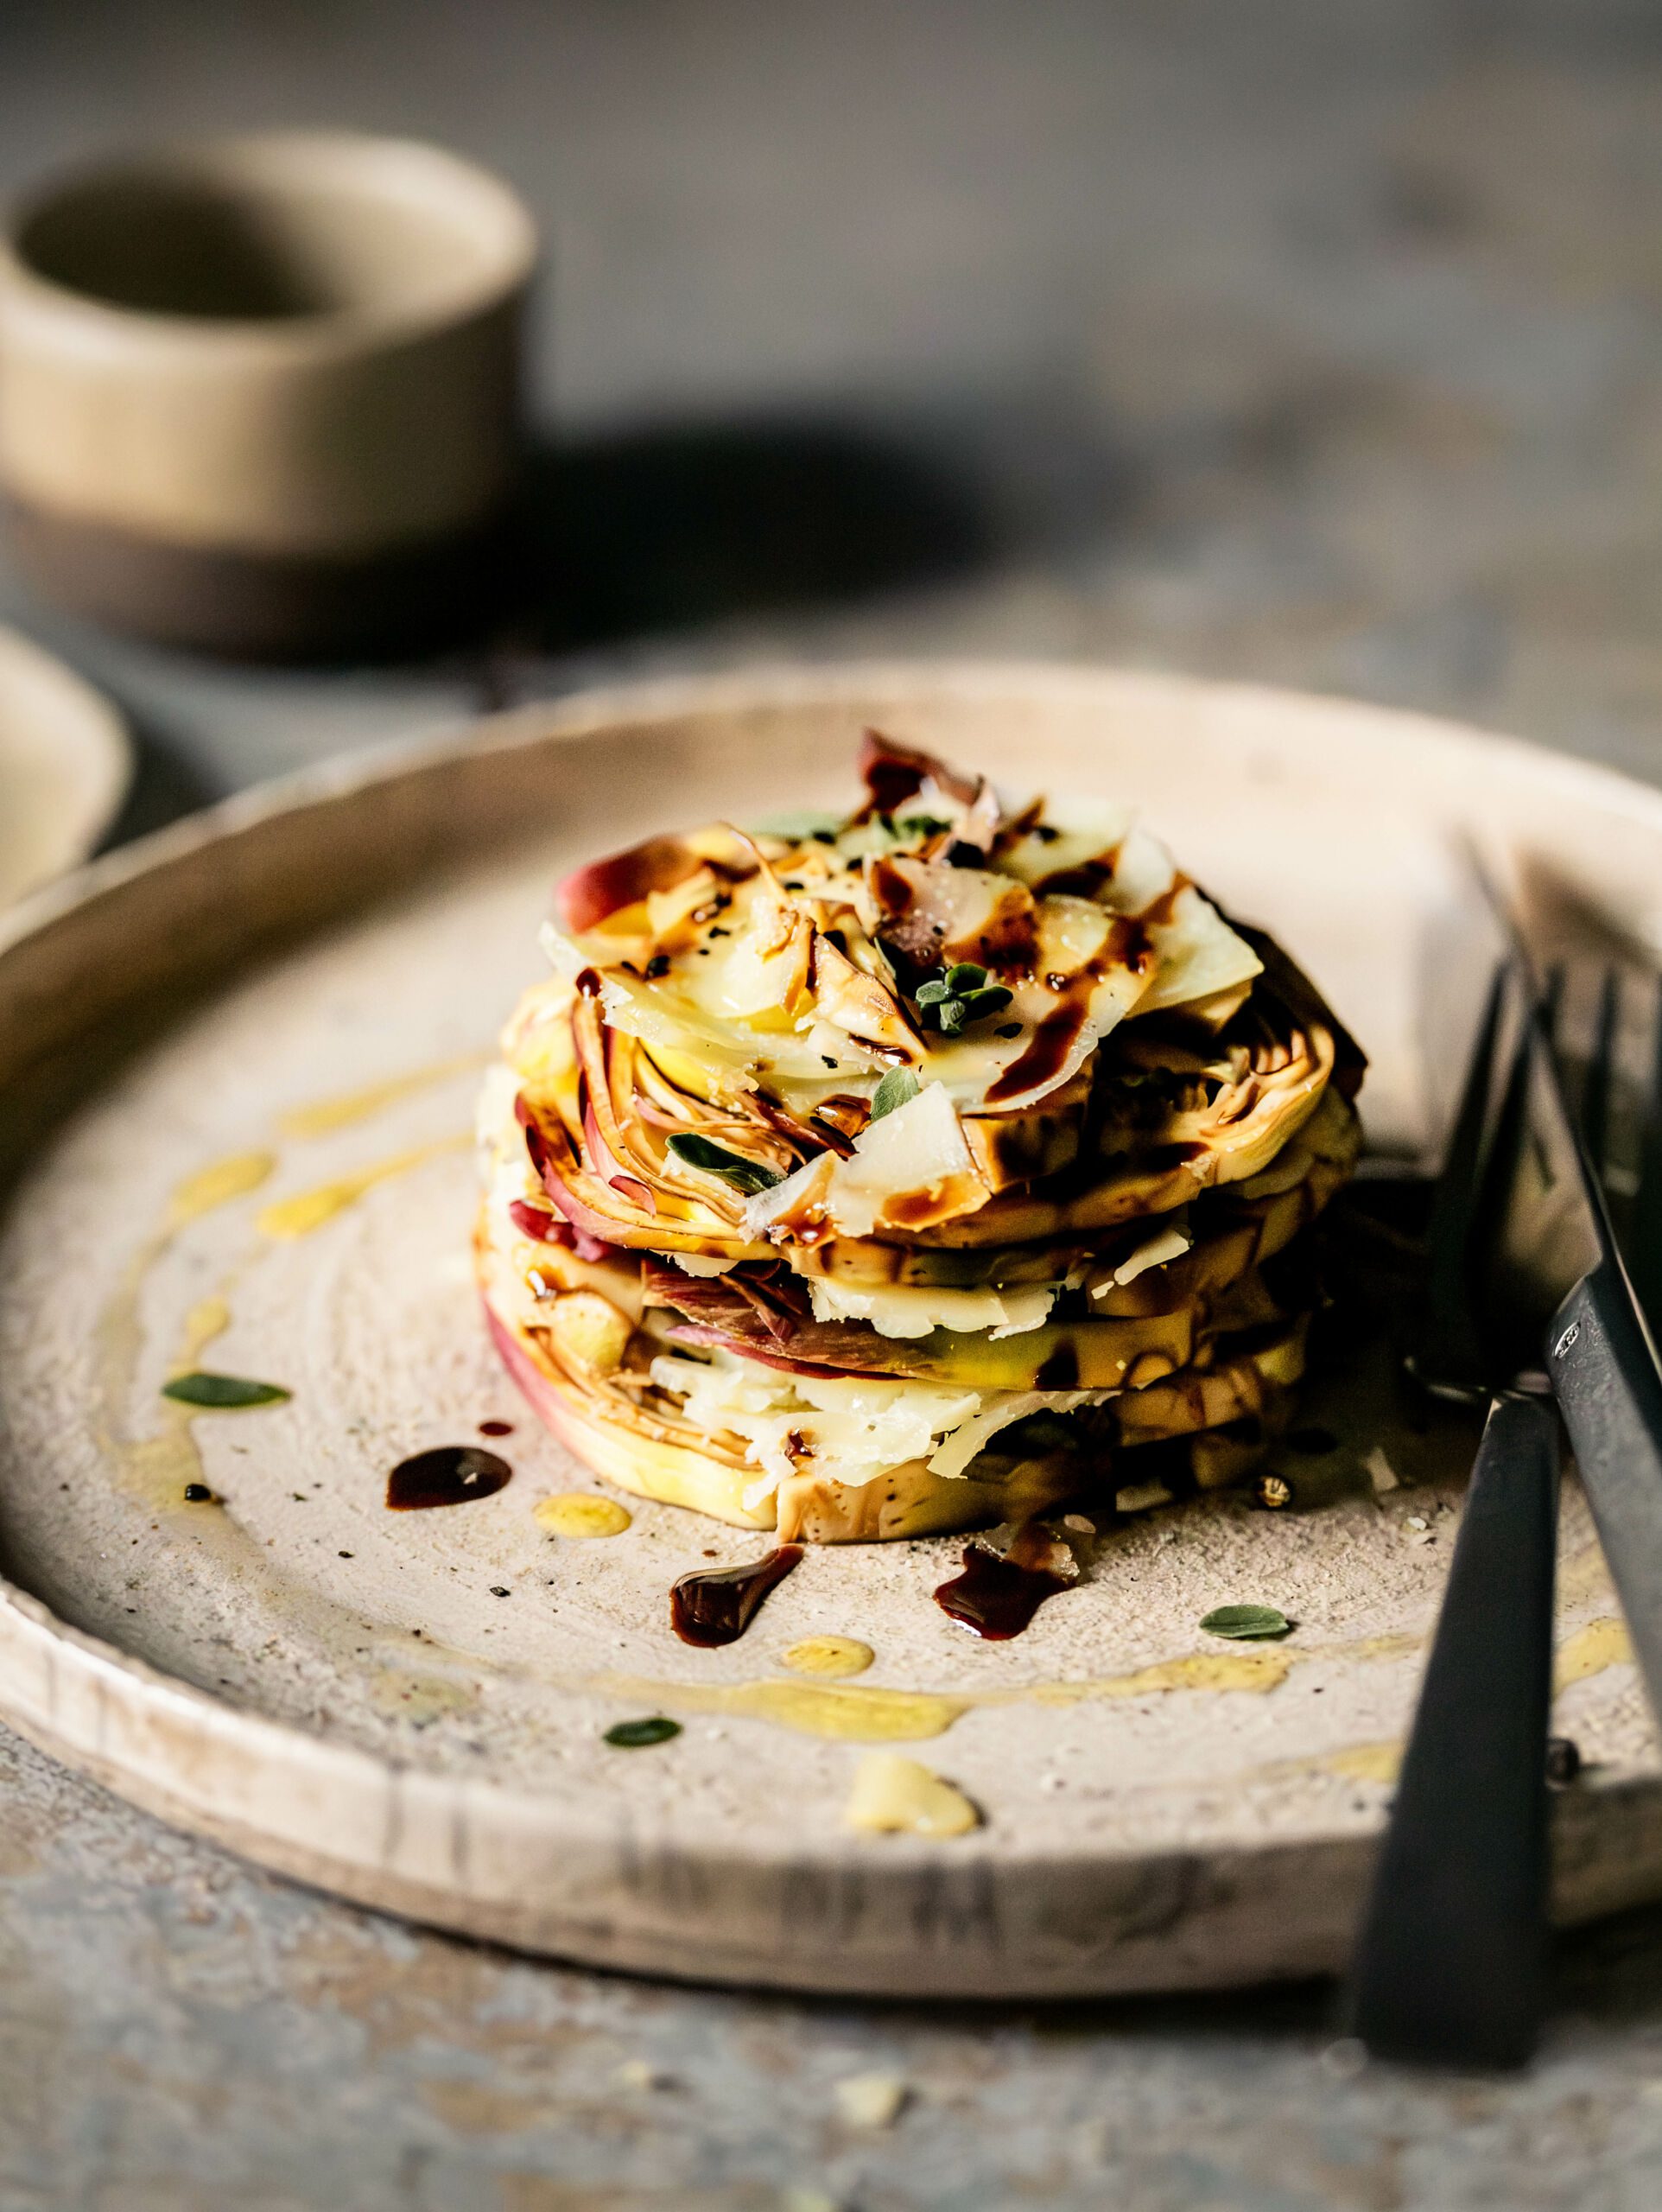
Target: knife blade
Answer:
pixel 1449 1964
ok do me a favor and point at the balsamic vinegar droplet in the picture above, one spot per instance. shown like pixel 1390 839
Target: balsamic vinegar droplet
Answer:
pixel 716 1605
pixel 450 1474
pixel 996 1598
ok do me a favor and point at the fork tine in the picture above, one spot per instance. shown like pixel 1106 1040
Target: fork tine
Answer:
pixel 1508 1339
pixel 1644 1240
pixel 1596 1091
pixel 1552 1002
pixel 1449 1351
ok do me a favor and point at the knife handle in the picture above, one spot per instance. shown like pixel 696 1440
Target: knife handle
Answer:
pixel 1451 1964
pixel 1605 1374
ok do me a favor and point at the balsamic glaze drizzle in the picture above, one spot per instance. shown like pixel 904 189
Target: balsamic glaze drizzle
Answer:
pixel 995 1597
pixel 450 1474
pixel 716 1605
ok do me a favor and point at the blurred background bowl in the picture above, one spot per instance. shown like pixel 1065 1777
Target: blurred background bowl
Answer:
pixel 260 395
pixel 65 761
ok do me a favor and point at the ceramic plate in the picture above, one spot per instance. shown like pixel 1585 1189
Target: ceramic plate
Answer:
pixel 66 761
pixel 238 1069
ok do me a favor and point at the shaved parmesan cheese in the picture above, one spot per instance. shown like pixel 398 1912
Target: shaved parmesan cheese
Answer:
pixel 667 1016
pixel 1169 1242
pixel 907 1169
pixel 766 971
pixel 1071 933
pixel 1199 955
pixel 851 1428
pixel 1131 873
pixel 912 1157
pixel 936 913
pixel 997 1409
pixel 1143 872
pixel 799 1202
pixel 919 1313
pixel 1077 835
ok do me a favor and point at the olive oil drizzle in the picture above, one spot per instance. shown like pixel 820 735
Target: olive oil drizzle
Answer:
pixel 325 1116
pixel 164 1460
pixel 290 1219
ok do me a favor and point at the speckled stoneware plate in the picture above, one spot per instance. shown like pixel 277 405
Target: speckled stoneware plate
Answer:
pixel 236 1067
pixel 66 761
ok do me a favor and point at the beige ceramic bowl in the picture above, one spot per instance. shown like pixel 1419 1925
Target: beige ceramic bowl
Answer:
pixel 259 395
pixel 65 761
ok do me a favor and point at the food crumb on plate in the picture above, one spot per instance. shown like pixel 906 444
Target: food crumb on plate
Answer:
pixel 872 2100
pixel 894 1796
pixel 1381 1473
pixel 641 2074
pixel 1345 2060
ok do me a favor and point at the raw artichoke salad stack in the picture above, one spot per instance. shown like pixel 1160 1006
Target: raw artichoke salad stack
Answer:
pixel 900 1174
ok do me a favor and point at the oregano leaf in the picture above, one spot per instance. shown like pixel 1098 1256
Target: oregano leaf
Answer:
pixel 634 1735
pixel 222 1392
pixel 746 1176
pixel 899 1088
pixel 1246 1623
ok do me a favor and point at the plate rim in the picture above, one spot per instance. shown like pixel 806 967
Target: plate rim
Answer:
pixel 90 1702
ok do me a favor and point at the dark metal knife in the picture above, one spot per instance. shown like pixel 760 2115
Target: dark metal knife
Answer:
pixel 1449 1965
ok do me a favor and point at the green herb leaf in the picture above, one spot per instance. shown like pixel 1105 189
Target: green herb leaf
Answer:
pixel 933 992
pixel 1246 1623
pixel 963 977
pixel 951 1015
pixel 634 1735
pixel 747 1176
pixel 920 825
pixel 221 1391
pixel 897 1088
pixel 978 1005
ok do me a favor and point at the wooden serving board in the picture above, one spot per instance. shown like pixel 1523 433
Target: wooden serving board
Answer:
pixel 236 1068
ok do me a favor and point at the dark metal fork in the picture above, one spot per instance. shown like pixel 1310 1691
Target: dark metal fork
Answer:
pixel 1450 1966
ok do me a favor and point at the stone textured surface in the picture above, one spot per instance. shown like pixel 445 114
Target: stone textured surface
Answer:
pixel 1322 341
pixel 178 2034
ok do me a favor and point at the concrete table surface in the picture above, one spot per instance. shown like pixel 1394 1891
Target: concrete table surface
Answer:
pixel 1319 341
